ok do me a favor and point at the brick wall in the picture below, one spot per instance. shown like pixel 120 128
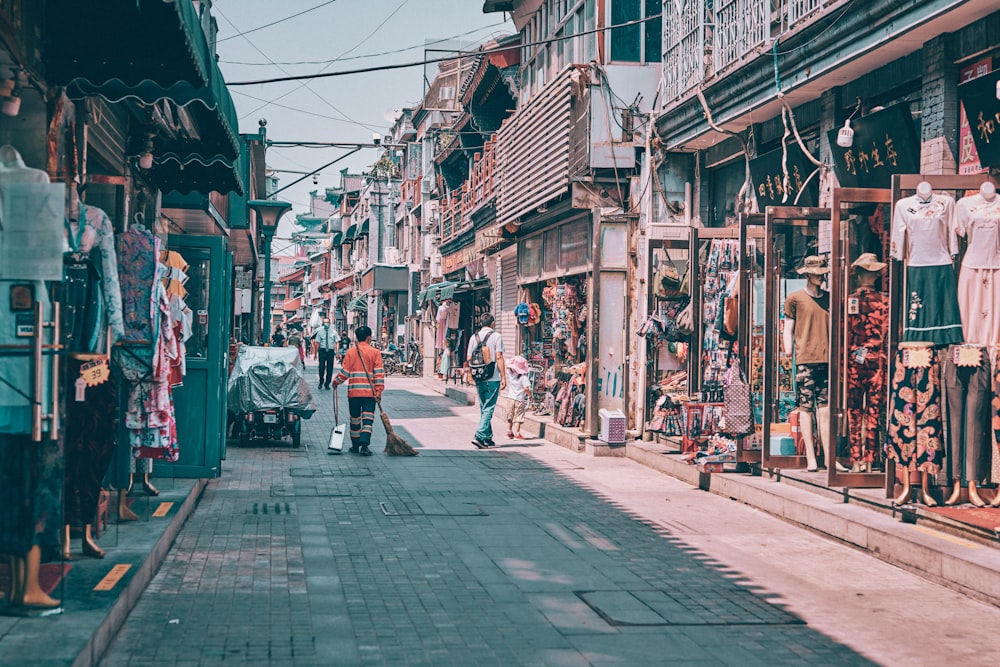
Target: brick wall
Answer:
pixel 939 106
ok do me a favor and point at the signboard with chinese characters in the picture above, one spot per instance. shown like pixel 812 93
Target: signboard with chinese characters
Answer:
pixel 885 143
pixel 769 183
pixel 979 97
pixel 968 156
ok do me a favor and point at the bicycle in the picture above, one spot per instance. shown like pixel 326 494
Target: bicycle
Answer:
pixel 414 363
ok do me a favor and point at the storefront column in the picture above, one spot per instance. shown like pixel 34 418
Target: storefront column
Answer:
pixel 609 291
pixel 939 107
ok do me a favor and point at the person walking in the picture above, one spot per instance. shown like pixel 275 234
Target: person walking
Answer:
pixel 362 370
pixel 327 338
pixel 277 338
pixel 518 386
pixel 295 340
pixel 486 345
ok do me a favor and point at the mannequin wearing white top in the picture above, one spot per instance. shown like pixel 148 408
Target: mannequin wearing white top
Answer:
pixel 924 235
pixel 978 219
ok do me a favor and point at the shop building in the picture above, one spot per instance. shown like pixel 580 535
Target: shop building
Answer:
pixel 799 145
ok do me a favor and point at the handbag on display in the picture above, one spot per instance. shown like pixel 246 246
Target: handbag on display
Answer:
pixel 685 320
pixel 736 398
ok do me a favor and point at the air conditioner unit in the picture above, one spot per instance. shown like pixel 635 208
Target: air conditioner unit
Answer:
pixel 436 269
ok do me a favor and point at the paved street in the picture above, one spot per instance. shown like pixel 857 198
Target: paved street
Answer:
pixel 525 555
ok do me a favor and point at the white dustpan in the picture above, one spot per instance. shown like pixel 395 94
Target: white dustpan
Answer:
pixel 336 444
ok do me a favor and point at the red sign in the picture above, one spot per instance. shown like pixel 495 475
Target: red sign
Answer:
pixel 968 156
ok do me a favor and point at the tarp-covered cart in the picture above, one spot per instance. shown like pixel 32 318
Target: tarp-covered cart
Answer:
pixel 268 394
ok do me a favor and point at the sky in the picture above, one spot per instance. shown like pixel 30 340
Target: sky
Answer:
pixel 347 108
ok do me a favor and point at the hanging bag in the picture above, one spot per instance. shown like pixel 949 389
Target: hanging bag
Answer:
pixel 736 398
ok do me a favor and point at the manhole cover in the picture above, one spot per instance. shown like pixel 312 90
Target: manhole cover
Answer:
pixel 339 472
pixel 281 491
pixel 412 508
pixel 732 606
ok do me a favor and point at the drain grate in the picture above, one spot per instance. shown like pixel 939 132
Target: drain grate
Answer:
pixel 733 606
pixel 321 472
pixel 401 508
pixel 270 509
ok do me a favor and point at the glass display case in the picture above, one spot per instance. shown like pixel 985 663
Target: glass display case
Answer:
pixel 860 287
pixel 751 329
pixel 796 244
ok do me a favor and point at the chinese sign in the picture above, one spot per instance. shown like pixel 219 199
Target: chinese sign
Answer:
pixel 770 184
pixel 979 97
pixel 885 143
pixel 968 156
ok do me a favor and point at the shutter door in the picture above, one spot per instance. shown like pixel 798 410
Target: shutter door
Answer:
pixel 508 300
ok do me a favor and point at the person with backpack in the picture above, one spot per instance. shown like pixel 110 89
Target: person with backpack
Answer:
pixel 486 367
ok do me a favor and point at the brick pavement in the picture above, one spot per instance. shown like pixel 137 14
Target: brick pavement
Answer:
pixel 456 557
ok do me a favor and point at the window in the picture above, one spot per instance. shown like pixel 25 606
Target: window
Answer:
pixel 638 43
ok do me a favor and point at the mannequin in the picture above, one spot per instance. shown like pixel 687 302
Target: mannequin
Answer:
pixel 867 364
pixel 977 218
pixel 30 472
pixel 807 331
pixel 92 309
pixel 915 428
pixel 924 235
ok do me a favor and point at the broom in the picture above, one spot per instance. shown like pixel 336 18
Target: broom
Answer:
pixel 394 444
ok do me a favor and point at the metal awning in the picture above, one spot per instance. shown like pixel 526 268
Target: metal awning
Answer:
pixel 449 288
pixel 350 234
pixel 292 305
pixel 363 229
pixel 131 40
pixel 358 303
pixel 297 274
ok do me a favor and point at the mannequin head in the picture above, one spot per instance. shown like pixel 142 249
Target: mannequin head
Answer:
pixel 814 269
pixel 924 190
pixel 868 269
pixel 988 190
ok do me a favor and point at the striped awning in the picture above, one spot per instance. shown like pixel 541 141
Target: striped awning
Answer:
pixel 358 303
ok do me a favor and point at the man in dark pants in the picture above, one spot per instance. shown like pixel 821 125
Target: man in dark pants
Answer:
pixel 362 370
pixel 327 338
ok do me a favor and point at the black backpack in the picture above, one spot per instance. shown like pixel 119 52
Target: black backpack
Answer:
pixel 481 366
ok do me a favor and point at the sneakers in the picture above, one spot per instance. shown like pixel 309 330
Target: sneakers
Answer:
pixel 510 434
pixel 483 444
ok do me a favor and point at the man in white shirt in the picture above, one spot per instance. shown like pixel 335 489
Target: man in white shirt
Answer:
pixel 327 338
pixel 489 390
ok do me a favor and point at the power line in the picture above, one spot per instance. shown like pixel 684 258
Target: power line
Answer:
pixel 429 61
pixel 315 171
pixel 291 108
pixel 362 57
pixel 268 25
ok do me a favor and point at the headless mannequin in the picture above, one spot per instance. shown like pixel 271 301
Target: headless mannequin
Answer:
pixel 989 193
pixel 865 279
pixel 813 288
pixel 924 191
pixel 925 495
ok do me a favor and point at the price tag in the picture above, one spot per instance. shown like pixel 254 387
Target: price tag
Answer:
pixel 968 356
pixel 95 372
pixel 917 357
pixel 860 355
pixel 203 318
pixel 853 305
pixel 81 390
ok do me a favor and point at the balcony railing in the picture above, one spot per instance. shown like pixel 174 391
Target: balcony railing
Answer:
pixel 700 42
pixel 741 27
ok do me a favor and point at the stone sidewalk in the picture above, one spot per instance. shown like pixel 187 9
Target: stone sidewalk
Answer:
pixel 523 555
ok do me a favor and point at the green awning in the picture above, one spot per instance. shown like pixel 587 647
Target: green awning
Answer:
pixel 350 234
pixel 337 239
pixel 161 41
pixel 363 229
pixel 447 291
pixel 358 304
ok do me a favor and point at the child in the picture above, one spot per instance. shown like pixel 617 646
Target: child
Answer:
pixel 446 361
pixel 517 387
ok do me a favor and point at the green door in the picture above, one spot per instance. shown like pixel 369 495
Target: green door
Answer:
pixel 200 403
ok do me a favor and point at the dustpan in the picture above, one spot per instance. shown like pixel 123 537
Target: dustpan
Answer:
pixel 336 444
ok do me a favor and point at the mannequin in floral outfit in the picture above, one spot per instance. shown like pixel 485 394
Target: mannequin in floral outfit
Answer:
pixel 867 361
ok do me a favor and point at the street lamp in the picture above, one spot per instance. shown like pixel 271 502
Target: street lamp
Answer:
pixel 268 212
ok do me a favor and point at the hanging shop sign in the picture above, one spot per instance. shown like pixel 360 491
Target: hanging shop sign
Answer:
pixel 885 143
pixel 968 156
pixel 769 181
pixel 979 97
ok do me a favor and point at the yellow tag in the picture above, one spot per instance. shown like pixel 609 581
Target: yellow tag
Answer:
pixel 162 509
pixel 918 357
pixel 968 355
pixel 112 578
pixel 95 372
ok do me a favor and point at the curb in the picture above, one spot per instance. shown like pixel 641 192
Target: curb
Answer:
pixel 108 628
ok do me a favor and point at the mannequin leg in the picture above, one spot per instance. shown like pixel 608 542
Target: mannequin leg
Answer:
pixel 90 548
pixel 148 487
pixel 808 442
pixel 826 439
pixel 956 491
pixel 904 495
pixel 33 595
pixel 925 494
pixel 974 498
pixel 124 512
